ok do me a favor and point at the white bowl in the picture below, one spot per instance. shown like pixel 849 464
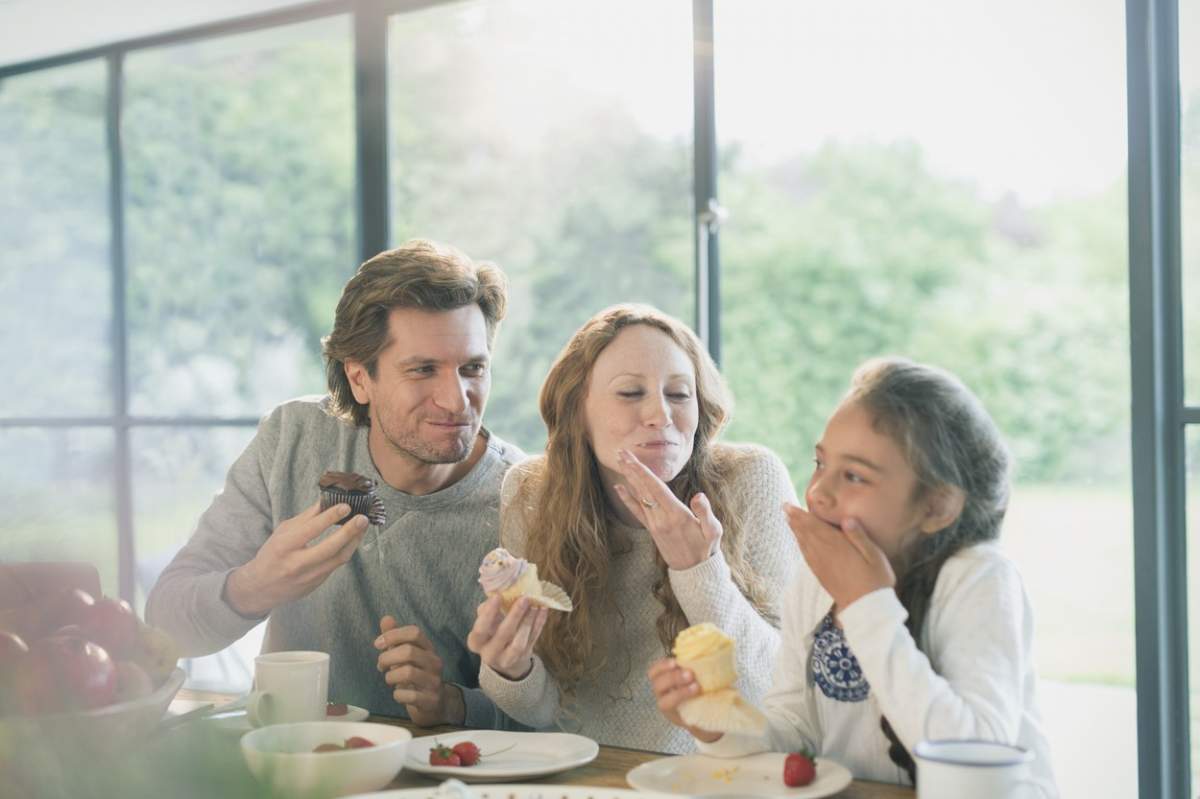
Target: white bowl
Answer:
pixel 107 727
pixel 282 757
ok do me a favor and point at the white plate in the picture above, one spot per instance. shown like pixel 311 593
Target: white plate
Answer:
pixel 754 775
pixel 505 755
pixel 538 791
pixel 235 721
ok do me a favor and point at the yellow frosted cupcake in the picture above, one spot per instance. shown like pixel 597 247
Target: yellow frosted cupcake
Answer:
pixel 708 652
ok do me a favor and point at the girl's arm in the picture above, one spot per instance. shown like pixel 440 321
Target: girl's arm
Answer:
pixel 706 592
pixel 979 629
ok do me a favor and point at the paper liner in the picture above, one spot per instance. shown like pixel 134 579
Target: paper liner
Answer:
pixel 553 597
pixel 723 711
pixel 369 505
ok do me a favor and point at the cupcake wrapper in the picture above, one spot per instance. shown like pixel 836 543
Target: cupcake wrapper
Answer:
pixel 554 598
pixel 723 711
pixel 369 505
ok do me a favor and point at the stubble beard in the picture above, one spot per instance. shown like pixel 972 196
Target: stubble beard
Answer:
pixel 413 446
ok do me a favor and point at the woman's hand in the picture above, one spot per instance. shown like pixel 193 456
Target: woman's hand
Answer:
pixel 847 563
pixel 685 536
pixel 505 642
pixel 674 685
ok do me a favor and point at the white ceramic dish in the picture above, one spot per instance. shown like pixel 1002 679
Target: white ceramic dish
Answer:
pixel 754 775
pixel 235 721
pixel 506 756
pixel 448 790
pixel 281 756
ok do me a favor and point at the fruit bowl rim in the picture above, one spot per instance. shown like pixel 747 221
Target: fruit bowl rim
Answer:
pixel 166 691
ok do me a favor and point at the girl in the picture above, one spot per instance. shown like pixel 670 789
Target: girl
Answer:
pixel 911 624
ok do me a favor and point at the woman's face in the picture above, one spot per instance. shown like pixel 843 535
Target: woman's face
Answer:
pixel 641 397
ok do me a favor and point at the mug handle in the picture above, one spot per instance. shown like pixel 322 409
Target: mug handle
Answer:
pixel 1043 788
pixel 258 708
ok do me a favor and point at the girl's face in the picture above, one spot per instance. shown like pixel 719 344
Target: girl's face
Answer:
pixel 861 473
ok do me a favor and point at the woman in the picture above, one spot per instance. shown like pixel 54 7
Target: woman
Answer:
pixel 650 526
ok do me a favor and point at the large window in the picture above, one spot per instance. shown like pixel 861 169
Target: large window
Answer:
pixel 555 139
pixel 952 190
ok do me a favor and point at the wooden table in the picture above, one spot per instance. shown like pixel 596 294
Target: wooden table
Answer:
pixel 607 770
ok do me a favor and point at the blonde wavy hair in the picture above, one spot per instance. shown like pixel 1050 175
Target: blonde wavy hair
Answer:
pixel 566 511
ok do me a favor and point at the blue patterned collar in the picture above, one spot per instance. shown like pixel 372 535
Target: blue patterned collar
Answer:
pixel 834 668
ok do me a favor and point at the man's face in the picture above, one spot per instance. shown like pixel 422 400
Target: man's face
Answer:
pixel 431 384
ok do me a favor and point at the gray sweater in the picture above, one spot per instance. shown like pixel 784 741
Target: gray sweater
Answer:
pixel 421 568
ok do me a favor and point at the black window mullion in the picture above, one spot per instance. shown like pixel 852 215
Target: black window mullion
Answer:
pixel 122 460
pixel 370 130
pixel 1158 426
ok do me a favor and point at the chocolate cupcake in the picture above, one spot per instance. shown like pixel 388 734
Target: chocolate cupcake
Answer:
pixel 356 491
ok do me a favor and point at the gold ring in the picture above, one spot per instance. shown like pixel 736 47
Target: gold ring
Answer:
pixel 649 503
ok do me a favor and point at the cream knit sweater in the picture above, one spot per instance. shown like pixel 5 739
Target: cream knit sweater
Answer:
pixel 619 708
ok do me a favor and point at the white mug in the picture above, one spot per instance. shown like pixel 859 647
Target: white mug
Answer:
pixel 289 686
pixel 976 769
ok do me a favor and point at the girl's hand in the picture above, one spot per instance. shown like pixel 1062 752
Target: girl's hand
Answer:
pixel 685 537
pixel 847 563
pixel 673 686
pixel 505 642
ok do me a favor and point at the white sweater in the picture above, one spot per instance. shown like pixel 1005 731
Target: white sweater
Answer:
pixel 618 708
pixel 972 677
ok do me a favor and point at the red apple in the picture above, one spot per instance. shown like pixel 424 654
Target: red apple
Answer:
pixel 65 672
pixel 13 655
pixel 112 624
pixel 66 608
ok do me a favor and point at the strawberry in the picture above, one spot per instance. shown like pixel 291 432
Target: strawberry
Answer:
pixel 443 756
pixel 798 769
pixel 336 709
pixel 467 752
pixel 357 742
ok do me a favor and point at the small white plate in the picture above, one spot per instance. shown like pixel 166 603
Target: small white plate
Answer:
pixel 754 775
pixel 235 721
pixel 538 791
pixel 505 755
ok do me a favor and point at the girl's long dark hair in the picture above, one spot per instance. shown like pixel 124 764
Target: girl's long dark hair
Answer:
pixel 950 441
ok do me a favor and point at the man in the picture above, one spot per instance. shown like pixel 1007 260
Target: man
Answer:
pixel 408 368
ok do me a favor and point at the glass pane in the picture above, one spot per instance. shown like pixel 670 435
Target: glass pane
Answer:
pixel 176 472
pixel 1189 108
pixel 240 174
pixel 948 186
pixel 55 277
pixel 554 139
pixel 58 487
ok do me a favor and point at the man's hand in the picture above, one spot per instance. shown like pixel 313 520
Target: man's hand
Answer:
pixel 411 666
pixel 286 567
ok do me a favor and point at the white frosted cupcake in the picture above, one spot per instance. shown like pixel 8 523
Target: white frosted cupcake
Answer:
pixel 511 577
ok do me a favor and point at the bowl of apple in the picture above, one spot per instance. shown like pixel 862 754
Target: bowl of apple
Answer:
pixel 76 670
